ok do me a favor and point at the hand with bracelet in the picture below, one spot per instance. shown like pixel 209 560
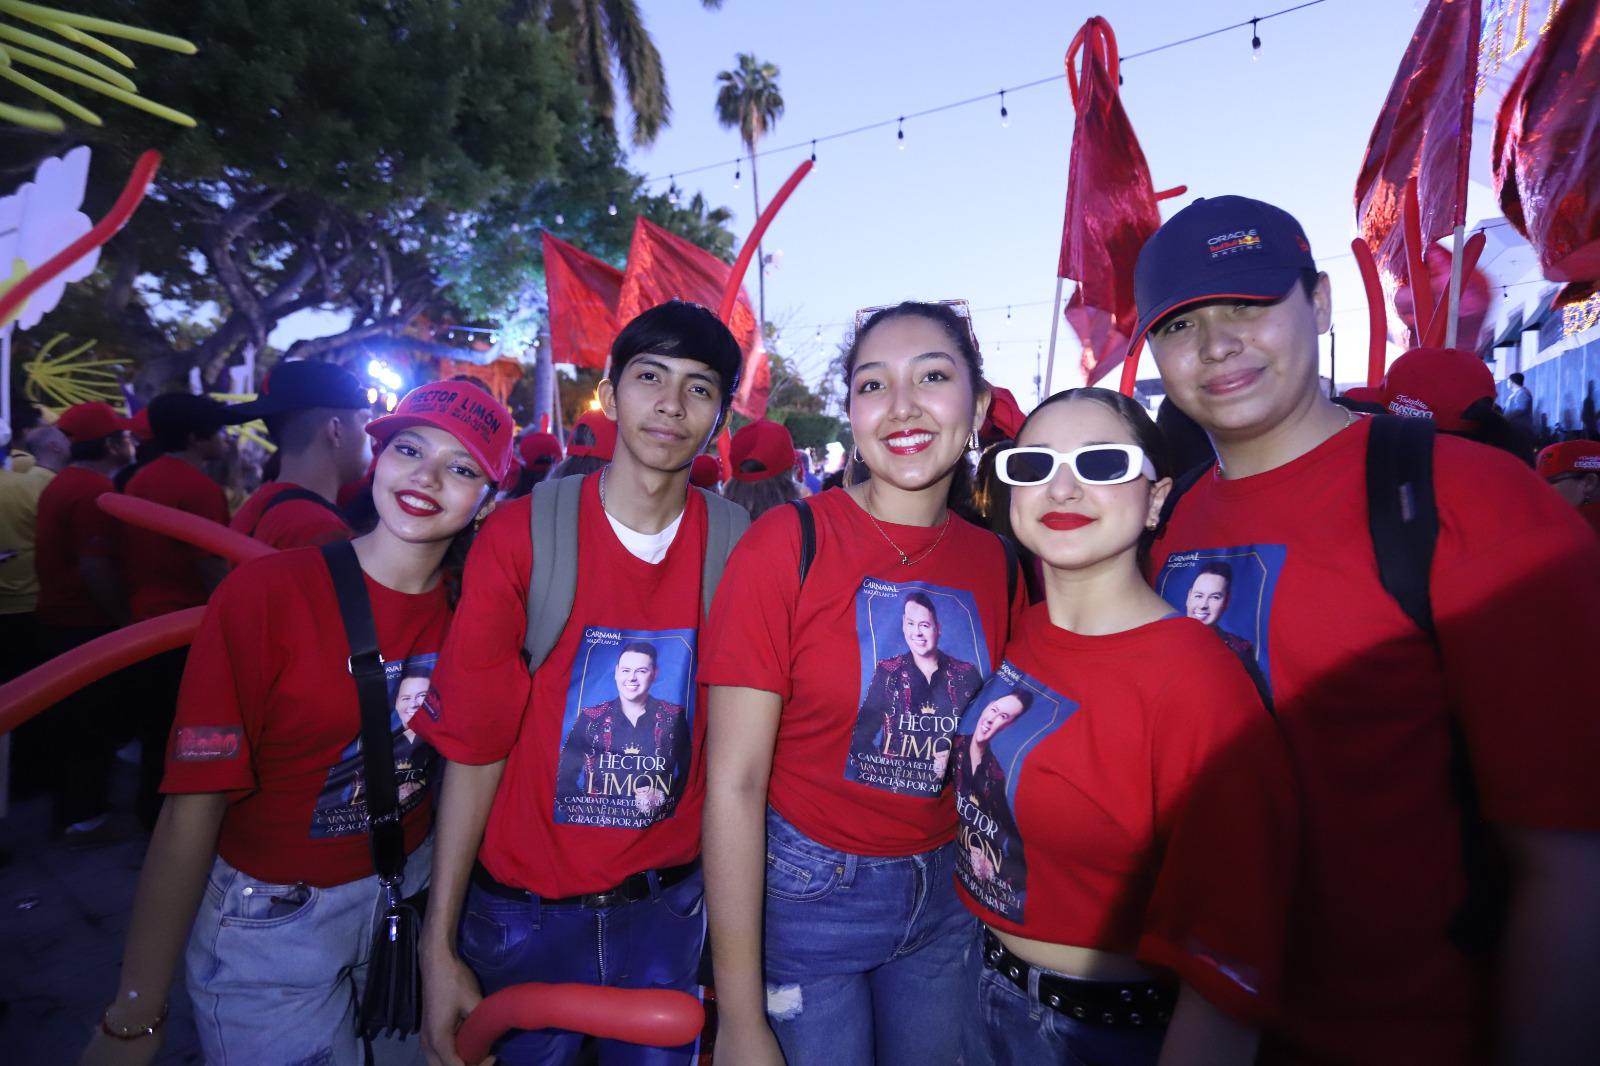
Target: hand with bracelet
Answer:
pixel 129 1034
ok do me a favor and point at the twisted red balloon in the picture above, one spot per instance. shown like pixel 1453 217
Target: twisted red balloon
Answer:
pixel 656 1017
pixel 730 294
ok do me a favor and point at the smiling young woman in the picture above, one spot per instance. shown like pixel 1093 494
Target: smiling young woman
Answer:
pixel 836 682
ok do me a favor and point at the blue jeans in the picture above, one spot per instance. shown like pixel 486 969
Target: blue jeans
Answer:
pixel 868 958
pixel 1013 1028
pixel 652 943
pixel 275 971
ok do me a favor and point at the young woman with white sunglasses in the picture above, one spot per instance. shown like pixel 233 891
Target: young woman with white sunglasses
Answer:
pixel 1125 801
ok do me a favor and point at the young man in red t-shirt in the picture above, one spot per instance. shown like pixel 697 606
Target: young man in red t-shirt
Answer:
pixel 572 801
pixel 165 574
pixel 315 413
pixel 1232 303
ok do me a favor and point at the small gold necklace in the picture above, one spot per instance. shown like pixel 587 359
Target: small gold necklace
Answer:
pixel 906 560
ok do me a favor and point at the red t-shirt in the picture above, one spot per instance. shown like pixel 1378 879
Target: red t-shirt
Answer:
pixel 268 713
pixel 1366 699
pixel 291 524
pixel 1591 514
pixel 71 525
pixel 603 774
pixel 164 574
pixel 874 660
pixel 1089 784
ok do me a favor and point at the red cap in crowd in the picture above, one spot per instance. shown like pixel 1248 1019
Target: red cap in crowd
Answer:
pixel 466 412
pixel 91 421
pixel 600 440
pixel 1364 394
pixel 1437 383
pixel 140 425
pixel 761 450
pixel 705 471
pixel 539 449
pixel 1569 457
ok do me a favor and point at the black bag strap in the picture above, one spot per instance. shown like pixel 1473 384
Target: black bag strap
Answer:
pixel 372 690
pixel 1402 514
pixel 1013 569
pixel 1180 485
pixel 290 495
pixel 808 536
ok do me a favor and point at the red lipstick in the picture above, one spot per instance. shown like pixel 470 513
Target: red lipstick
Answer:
pixel 909 441
pixel 1064 520
pixel 419 512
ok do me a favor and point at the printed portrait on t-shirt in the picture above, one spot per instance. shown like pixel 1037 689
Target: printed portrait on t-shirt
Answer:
pixel 341 806
pixel 1230 590
pixel 627 728
pixel 1002 725
pixel 923 655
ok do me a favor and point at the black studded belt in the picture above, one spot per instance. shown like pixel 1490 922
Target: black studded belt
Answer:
pixel 1111 1004
pixel 635 888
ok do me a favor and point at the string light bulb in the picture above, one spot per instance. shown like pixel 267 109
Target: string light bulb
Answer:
pixel 611 209
pixel 736 173
pixel 1005 116
pixel 672 190
pixel 813 155
pixel 1255 41
pixel 561 220
pixel 900 134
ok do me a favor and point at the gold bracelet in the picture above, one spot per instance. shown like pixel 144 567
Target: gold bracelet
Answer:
pixel 132 1032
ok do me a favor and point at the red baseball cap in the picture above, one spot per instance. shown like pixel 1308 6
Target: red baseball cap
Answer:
pixel 705 471
pixel 600 440
pixel 1437 383
pixel 761 450
pixel 1364 394
pixel 1569 457
pixel 539 448
pixel 466 412
pixel 91 421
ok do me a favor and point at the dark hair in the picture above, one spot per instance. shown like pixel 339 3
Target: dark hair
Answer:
pixel 987 488
pixel 294 431
pixel 640 647
pixel 759 497
pixel 1187 442
pixel 921 600
pixel 685 331
pixel 1486 424
pixel 89 451
pixel 1516 378
pixel 176 418
pixel 576 464
pixel 1023 696
pixel 527 478
pixel 413 671
pixel 1220 569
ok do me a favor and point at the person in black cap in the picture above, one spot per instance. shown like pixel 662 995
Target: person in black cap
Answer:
pixel 316 413
pixel 1397 942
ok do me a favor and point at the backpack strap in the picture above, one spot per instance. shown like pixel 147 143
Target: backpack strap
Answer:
pixel 808 536
pixel 1402 515
pixel 1180 485
pixel 726 522
pixel 290 495
pixel 1013 569
pixel 553 582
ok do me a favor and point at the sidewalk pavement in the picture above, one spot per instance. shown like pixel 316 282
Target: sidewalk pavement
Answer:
pixel 63 916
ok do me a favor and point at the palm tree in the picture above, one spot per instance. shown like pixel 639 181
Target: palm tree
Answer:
pixel 750 99
pixel 607 34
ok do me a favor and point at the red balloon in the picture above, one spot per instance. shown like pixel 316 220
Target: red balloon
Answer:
pixel 203 533
pixel 656 1017
pixel 46 685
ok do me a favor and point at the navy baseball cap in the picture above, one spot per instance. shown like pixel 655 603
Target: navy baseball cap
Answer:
pixel 304 384
pixel 1217 248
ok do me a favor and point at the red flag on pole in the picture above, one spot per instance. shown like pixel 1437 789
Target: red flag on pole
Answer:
pixel 1424 132
pixel 663 266
pixel 583 293
pixel 1547 149
pixel 1111 205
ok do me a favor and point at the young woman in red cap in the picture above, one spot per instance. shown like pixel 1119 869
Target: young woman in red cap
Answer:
pixel 261 856
pixel 836 679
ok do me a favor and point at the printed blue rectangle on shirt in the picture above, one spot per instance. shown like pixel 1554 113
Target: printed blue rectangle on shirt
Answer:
pixel 1008 718
pixel 627 728
pixel 1230 590
pixel 923 655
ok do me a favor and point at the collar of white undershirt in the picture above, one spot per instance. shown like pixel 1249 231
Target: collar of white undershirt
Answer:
pixel 650 547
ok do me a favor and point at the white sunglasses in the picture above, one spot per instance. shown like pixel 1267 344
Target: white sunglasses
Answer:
pixel 1093 464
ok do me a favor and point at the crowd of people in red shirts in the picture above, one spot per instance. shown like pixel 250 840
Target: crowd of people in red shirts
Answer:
pixel 1286 758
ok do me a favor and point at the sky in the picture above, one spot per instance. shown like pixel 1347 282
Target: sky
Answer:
pixel 968 209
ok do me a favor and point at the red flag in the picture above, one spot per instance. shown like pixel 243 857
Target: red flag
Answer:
pixel 663 266
pixel 1005 417
pixel 583 294
pixel 1425 132
pixel 1111 205
pixel 1547 149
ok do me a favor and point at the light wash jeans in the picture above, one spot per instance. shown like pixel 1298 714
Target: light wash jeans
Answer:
pixel 869 959
pixel 276 971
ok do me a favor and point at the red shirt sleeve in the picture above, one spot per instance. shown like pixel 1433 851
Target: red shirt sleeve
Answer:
pixel 748 637
pixel 218 718
pixel 1228 812
pixel 480 690
pixel 94 531
pixel 1516 614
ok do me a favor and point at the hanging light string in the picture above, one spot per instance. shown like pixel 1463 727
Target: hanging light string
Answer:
pixel 900 120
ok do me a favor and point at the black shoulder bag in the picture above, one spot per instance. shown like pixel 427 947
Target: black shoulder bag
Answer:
pixel 392 999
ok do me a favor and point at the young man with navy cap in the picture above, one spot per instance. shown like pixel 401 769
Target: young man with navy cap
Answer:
pixel 1389 959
